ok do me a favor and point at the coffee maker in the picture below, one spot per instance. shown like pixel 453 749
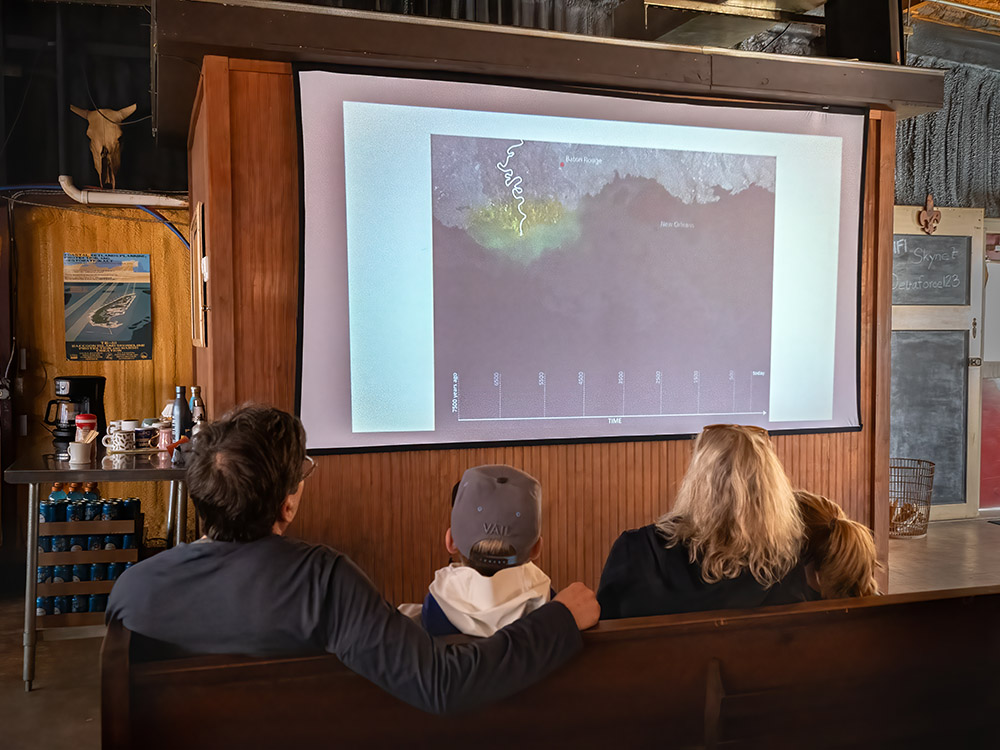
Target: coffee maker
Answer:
pixel 78 394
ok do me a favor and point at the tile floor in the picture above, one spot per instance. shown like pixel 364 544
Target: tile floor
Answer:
pixel 63 710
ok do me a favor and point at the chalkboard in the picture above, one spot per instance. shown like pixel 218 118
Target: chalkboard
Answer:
pixel 929 406
pixel 930 269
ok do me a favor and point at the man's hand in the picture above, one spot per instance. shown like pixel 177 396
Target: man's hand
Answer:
pixel 582 603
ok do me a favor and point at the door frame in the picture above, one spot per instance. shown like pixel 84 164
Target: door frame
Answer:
pixel 991 367
pixel 962 222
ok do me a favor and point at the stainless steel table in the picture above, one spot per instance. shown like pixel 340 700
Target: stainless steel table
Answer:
pixel 37 469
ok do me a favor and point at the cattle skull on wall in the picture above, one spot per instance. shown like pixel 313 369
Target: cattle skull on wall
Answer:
pixel 104 131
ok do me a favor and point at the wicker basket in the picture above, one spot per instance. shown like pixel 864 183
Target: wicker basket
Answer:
pixel 910 483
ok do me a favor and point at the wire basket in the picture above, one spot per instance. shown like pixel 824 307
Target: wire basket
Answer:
pixel 910 483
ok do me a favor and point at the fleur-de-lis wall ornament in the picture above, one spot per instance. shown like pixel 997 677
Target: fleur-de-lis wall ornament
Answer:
pixel 929 217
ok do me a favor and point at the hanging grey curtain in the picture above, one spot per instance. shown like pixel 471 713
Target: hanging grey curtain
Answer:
pixel 591 17
pixel 953 153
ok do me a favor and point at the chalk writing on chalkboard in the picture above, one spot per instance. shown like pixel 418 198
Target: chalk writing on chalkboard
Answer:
pixel 930 270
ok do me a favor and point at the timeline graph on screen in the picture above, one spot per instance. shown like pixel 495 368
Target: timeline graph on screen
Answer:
pixel 596 284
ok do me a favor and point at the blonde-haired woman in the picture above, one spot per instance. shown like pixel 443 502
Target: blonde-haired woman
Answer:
pixel 840 553
pixel 732 540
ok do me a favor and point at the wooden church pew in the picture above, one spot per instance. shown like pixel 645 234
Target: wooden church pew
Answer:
pixel 911 670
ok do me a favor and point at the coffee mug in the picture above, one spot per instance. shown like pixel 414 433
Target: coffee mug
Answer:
pixel 145 437
pixel 114 425
pixel 150 422
pixel 122 440
pixel 79 453
pixel 128 425
pixel 165 435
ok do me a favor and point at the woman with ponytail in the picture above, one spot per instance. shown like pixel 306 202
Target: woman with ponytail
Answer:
pixel 840 553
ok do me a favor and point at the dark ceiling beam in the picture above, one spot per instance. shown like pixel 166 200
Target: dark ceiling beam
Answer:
pixel 256 29
pixel 102 49
pixel 131 3
pixel 29 43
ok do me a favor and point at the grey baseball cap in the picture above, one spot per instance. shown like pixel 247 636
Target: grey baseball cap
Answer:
pixel 497 502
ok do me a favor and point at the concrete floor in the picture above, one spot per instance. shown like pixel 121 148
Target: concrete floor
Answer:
pixel 63 710
pixel 954 554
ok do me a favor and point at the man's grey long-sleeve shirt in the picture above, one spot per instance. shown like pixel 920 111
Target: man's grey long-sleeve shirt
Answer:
pixel 282 596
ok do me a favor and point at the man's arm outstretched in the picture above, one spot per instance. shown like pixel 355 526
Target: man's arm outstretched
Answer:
pixel 373 639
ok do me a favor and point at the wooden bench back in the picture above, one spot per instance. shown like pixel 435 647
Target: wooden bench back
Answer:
pixel 914 670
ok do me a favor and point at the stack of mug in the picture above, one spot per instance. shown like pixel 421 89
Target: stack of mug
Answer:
pixel 132 435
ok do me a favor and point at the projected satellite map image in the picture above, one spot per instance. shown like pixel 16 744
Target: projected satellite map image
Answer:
pixel 579 282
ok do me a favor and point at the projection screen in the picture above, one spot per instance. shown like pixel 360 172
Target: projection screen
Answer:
pixel 491 263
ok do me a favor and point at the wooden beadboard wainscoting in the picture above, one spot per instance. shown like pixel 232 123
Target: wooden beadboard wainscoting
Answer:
pixel 389 510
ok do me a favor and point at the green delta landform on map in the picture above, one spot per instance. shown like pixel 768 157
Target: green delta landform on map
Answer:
pixel 521 199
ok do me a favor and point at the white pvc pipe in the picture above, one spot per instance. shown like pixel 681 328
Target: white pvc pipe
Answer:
pixel 116 198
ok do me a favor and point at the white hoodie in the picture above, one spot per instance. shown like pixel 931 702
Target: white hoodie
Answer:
pixel 480 605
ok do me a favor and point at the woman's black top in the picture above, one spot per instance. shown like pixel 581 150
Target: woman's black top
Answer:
pixel 642 577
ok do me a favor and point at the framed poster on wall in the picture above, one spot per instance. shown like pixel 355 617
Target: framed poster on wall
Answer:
pixel 108 307
pixel 199 277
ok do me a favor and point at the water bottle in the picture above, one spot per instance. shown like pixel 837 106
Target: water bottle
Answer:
pixel 181 415
pixel 197 405
pixel 57 493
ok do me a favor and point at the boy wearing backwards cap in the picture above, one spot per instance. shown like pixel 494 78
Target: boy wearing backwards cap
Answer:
pixel 496 532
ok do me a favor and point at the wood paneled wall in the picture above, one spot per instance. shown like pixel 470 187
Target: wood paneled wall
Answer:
pixel 389 511
pixel 135 389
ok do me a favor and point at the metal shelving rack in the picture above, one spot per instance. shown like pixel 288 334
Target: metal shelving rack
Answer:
pixel 38 469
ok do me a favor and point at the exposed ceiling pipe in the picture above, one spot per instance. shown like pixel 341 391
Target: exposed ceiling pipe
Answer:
pixel 974 9
pixel 117 197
